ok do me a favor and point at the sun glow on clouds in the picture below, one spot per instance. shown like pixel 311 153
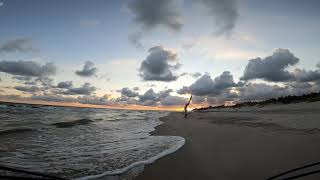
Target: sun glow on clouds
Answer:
pixel 239 46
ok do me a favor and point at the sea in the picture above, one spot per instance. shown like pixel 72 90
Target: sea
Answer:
pixel 81 143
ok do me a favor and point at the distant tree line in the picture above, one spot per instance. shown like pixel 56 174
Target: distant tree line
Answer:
pixel 312 97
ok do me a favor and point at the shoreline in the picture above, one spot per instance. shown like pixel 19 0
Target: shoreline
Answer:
pixel 248 144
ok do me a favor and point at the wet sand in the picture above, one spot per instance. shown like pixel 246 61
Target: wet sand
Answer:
pixel 245 143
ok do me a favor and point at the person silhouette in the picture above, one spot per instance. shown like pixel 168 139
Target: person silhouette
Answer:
pixel 186 106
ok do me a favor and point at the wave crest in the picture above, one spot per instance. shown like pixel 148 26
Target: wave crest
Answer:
pixel 72 123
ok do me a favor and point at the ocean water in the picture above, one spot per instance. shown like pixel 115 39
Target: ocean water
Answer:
pixel 81 143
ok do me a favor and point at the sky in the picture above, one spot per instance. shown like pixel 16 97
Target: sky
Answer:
pixel 154 54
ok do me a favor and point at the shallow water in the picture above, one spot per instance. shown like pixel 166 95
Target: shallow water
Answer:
pixel 80 142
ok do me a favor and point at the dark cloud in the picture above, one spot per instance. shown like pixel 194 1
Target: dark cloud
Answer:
pixel 65 85
pixel 198 99
pixel 88 70
pixel 18 45
pixel 135 39
pixel 43 82
pixel 163 94
pixel 184 90
pixel 85 89
pixel 302 75
pixel 128 92
pixel 151 98
pixel 206 86
pixel 300 88
pixel 149 95
pixel 151 14
pixel 224 12
pixel 225 80
pixel 156 66
pixel 271 68
pixel 27 68
pixel 30 89
pixel 173 101
pixel 203 86
pixel 260 91
pixel 95 100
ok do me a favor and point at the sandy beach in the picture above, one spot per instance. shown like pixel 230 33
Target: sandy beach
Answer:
pixel 241 143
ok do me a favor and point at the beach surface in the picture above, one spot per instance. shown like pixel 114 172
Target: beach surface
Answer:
pixel 240 143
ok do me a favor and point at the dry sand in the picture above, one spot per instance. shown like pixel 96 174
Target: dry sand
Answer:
pixel 246 143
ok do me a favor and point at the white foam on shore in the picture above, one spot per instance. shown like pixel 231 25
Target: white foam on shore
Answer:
pixel 177 146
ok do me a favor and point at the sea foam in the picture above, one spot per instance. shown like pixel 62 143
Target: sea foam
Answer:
pixel 180 142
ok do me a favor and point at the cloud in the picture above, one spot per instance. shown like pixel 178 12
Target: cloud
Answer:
pixel 203 86
pixel 271 68
pixel 88 70
pixel 22 78
pixel 18 45
pixel 65 85
pixel 156 66
pixel 54 98
pixel 45 82
pixel 224 12
pixel 38 85
pixel 299 88
pixel 225 80
pixel 302 75
pixel 27 68
pixel 30 89
pixel 198 99
pixel 260 91
pixel 164 93
pixel 151 98
pixel 95 100
pixel 150 14
pixel 135 39
pixel 173 101
pixel 184 90
pixel 85 89
pixel 87 99
pixel 206 86
pixel 128 92
pixel 149 95
pixel 194 75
